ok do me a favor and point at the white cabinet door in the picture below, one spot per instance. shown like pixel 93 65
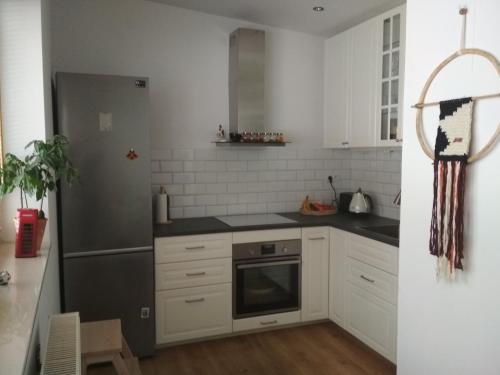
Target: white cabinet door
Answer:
pixel 372 320
pixel 336 90
pixel 390 53
pixel 315 264
pixel 189 313
pixel 339 242
pixel 363 84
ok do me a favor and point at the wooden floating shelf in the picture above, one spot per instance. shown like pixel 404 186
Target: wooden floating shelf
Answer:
pixel 250 144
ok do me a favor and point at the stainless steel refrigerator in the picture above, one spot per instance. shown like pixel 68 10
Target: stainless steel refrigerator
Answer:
pixel 105 219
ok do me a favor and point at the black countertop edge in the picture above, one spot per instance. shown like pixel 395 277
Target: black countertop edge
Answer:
pixel 348 222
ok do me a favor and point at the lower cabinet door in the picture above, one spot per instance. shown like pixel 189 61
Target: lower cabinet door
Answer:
pixel 190 313
pixel 371 319
pixel 266 321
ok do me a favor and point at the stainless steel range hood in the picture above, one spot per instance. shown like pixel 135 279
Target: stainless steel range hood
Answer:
pixel 246 80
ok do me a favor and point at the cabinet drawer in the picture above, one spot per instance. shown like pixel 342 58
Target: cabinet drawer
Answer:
pixel 184 248
pixel 377 282
pixel 194 273
pixel 190 313
pixel 374 253
pixel 372 320
pixel 266 321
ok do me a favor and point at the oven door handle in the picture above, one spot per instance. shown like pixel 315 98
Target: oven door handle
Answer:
pixel 268 264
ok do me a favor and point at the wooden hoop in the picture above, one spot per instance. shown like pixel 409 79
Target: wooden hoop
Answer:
pixel 423 142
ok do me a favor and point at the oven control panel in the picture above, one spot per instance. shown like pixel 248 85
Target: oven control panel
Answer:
pixel 266 249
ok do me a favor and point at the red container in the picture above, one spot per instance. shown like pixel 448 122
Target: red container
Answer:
pixel 26 229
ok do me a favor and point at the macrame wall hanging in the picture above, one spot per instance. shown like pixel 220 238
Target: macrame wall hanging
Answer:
pixel 451 155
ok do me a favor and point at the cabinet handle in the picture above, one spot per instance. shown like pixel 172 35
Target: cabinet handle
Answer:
pixel 268 323
pixel 194 247
pixel 399 140
pixel 196 274
pixel 316 238
pixel 345 143
pixel 195 300
pixel 367 279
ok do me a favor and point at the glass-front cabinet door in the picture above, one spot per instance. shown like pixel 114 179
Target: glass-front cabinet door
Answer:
pixel 391 57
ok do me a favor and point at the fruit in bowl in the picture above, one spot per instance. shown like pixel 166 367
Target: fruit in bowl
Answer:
pixel 309 207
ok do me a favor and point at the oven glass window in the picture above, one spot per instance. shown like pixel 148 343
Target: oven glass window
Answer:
pixel 262 288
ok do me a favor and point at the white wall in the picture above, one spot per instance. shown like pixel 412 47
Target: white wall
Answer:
pixel 21 89
pixel 185 54
pixel 450 327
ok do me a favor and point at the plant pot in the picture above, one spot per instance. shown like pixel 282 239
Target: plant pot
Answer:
pixel 41 224
pixel 29 238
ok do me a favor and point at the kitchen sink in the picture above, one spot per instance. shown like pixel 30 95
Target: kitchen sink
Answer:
pixel 386 230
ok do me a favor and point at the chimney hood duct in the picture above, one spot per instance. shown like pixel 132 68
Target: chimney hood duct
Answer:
pixel 246 80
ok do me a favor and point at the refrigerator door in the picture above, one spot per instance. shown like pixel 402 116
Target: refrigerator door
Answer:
pixel 106 119
pixel 113 287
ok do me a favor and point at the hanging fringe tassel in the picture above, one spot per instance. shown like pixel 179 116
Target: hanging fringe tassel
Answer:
pixel 447 225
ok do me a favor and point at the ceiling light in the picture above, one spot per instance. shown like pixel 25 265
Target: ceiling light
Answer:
pixel 318 9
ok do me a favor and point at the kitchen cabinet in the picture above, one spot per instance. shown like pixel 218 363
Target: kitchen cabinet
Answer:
pixel 390 55
pixel 315 267
pixel 336 90
pixel 363 83
pixel 190 313
pixel 363 289
pixel 193 286
pixel 339 242
pixel 266 321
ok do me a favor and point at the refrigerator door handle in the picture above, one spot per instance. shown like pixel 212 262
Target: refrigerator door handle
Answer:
pixel 81 254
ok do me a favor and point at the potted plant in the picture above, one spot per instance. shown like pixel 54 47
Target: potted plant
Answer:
pixel 37 174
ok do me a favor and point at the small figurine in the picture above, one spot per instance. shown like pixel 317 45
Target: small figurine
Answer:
pixel 221 134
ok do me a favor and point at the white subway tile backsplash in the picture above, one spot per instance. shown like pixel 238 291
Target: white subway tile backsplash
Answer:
pixel 205 154
pixel 237 209
pixel 227 177
pixel 205 177
pixel 216 210
pixel 161 178
pixel 215 166
pixel 216 188
pixel 276 164
pixel 183 178
pixel 171 166
pixel 239 187
pixel 253 180
pixel 238 166
pixel 205 199
pixel 194 211
pixel 194 166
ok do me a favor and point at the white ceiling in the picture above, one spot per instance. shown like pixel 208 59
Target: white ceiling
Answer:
pixel 293 14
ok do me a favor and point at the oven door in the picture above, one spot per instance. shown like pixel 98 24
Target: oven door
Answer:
pixel 266 286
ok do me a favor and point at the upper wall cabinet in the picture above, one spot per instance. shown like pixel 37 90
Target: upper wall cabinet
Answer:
pixel 390 55
pixel 363 82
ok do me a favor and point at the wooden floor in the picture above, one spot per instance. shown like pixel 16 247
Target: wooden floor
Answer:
pixel 319 349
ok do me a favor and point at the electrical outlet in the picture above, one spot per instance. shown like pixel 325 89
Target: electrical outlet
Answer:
pixel 144 312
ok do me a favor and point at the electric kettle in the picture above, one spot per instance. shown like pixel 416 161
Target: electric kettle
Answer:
pixel 360 203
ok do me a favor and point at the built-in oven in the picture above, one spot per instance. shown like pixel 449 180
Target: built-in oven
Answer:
pixel 266 278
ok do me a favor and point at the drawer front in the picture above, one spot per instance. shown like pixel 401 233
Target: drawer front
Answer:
pixel 372 320
pixel 267 235
pixel 374 253
pixel 185 248
pixel 191 313
pixel 194 273
pixel 375 281
pixel 266 321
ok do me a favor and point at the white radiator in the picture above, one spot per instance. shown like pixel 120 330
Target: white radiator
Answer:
pixel 63 354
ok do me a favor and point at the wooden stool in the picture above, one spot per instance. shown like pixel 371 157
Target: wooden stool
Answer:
pixel 103 341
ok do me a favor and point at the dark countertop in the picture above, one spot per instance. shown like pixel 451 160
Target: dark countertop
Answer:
pixel 347 222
